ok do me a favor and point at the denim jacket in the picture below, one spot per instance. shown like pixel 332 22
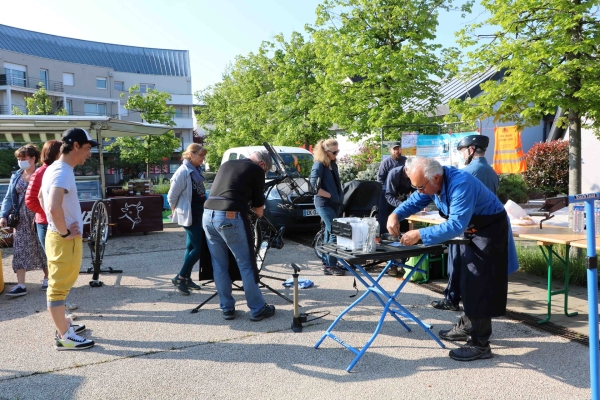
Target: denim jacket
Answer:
pixel 327 184
pixel 11 198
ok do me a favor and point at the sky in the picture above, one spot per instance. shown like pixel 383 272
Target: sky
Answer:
pixel 214 31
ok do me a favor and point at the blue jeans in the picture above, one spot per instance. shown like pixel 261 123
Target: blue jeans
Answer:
pixel 192 249
pixel 327 214
pixel 224 234
pixel 41 231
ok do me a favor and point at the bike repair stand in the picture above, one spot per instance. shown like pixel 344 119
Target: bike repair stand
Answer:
pixel 95 268
pixel 298 318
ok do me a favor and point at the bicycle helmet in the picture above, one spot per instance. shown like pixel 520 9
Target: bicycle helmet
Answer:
pixel 480 141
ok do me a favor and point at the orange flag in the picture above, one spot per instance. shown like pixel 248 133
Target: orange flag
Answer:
pixel 508 151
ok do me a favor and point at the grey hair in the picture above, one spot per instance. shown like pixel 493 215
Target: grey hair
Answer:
pixel 429 166
pixel 408 164
pixel 264 156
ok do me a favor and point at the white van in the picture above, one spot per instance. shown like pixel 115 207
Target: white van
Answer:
pixel 293 157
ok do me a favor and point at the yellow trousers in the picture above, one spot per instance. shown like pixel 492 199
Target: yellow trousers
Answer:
pixel 64 261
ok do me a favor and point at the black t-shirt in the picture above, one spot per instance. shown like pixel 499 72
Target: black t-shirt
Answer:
pixel 239 182
pixel 198 199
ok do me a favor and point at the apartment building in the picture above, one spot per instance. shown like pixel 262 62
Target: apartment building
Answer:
pixel 88 78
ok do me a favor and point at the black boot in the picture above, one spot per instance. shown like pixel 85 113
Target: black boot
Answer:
pixel 472 351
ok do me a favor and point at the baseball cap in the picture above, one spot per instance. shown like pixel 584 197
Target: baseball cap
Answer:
pixel 78 135
pixel 395 144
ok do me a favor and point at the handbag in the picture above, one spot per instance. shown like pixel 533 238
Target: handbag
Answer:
pixel 13 220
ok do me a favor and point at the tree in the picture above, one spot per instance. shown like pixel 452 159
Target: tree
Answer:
pixel 548 50
pixel 149 149
pixel 39 104
pixel 266 96
pixel 381 66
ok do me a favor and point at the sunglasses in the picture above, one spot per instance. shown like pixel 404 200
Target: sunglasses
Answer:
pixel 335 153
pixel 421 187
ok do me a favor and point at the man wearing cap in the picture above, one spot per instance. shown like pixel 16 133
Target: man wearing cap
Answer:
pixel 472 149
pixel 227 227
pixel 396 159
pixel 59 199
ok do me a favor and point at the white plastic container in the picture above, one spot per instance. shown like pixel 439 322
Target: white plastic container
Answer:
pixel 578 218
pixel 360 231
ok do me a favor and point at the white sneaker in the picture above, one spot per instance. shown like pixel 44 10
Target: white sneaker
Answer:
pixel 72 341
pixel 71 306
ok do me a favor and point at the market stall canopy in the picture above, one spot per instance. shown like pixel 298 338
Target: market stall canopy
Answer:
pixel 40 128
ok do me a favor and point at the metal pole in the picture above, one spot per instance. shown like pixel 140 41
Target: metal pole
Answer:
pixel 592 284
pixel 101 157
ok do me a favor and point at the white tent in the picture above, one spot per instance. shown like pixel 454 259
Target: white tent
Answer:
pixel 41 128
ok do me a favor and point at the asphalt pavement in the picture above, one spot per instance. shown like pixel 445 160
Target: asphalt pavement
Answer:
pixel 150 346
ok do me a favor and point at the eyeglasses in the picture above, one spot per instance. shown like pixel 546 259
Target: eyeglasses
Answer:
pixel 335 153
pixel 421 187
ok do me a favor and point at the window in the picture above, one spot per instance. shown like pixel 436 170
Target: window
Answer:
pixel 97 109
pixel 120 86
pixel 144 87
pixel 123 111
pixel 178 113
pixel 233 156
pixel 68 79
pixel 101 83
pixel 16 75
pixel 69 107
pixel 44 78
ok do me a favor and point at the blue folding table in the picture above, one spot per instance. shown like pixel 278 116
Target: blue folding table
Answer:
pixel 353 261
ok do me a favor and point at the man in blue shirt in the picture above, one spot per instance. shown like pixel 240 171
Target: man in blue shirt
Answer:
pixel 474 211
pixel 472 149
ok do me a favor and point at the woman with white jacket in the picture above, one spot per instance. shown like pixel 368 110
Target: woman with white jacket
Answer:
pixel 186 198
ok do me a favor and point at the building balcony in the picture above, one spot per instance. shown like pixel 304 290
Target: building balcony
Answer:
pixel 182 99
pixel 17 82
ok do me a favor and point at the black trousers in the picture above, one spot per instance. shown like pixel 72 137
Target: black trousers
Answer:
pixel 479 329
pixel 452 291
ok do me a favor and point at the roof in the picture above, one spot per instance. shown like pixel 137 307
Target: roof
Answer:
pixel 461 87
pixel 40 128
pixel 133 59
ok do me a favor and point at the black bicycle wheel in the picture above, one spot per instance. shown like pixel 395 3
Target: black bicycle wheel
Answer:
pixel 318 241
pixel 98 234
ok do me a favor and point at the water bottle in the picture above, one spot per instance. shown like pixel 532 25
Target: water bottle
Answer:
pixel 578 218
pixel 597 215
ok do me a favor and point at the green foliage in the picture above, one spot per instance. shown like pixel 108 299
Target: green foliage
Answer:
pixel 8 162
pixel 531 261
pixel 368 153
pixel 150 149
pixel 370 173
pixel 548 168
pixel 548 52
pixel 264 96
pixel 161 188
pixel 39 104
pixel 347 171
pixel 379 59
pixel 512 188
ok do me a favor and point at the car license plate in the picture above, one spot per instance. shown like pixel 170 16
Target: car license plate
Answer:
pixel 310 213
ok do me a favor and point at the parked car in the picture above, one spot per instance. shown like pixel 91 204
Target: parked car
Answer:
pixel 278 207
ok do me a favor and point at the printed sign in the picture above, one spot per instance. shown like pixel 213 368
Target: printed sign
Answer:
pixel 409 143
